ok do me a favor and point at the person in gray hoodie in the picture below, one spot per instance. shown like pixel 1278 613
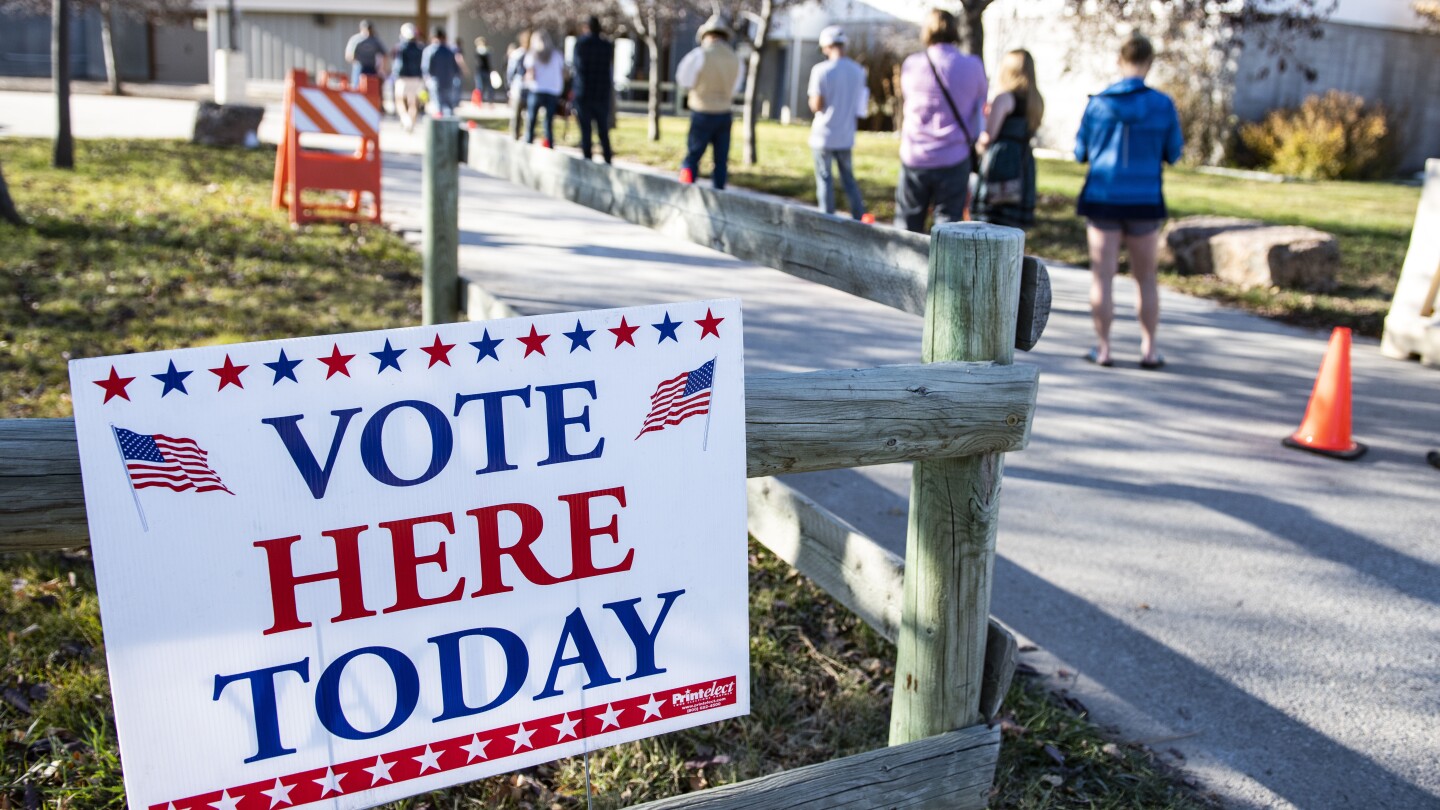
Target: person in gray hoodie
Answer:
pixel 1129 131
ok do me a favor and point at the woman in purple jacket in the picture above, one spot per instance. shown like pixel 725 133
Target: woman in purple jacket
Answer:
pixel 944 93
pixel 1128 132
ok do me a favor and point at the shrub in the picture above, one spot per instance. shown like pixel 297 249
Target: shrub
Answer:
pixel 1330 137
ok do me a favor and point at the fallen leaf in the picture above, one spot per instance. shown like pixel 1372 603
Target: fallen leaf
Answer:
pixel 1052 780
pixel 1055 754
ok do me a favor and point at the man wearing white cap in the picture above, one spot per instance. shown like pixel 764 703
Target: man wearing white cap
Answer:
pixel 712 72
pixel 838 97
pixel 409 78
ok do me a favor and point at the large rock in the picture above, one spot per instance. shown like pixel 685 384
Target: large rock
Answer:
pixel 227 124
pixel 1187 241
pixel 1288 256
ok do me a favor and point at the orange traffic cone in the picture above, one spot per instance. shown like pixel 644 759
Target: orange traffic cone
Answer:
pixel 1326 429
pixel 476 98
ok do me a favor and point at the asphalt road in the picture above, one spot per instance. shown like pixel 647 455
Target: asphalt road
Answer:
pixel 1268 619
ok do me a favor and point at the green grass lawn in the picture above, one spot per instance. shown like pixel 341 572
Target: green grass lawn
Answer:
pixel 151 245
pixel 1372 220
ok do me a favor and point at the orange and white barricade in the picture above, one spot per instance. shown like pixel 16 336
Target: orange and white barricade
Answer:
pixel 333 111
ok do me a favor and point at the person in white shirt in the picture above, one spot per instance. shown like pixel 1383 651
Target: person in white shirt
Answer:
pixel 545 78
pixel 838 97
pixel 712 72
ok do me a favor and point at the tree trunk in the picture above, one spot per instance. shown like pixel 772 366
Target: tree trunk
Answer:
pixel 64 154
pixel 7 205
pixel 974 28
pixel 107 40
pixel 751 154
pixel 652 44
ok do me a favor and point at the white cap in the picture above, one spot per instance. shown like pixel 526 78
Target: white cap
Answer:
pixel 407 31
pixel 832 35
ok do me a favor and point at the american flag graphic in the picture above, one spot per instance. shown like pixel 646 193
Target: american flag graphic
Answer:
pixel 679 398
pixel 160 461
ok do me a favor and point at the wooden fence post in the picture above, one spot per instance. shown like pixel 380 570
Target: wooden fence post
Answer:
pixel 440 191
pixel 970 312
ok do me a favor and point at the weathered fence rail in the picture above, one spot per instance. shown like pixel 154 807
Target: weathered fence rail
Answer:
pixel 885 265
pixel 794 423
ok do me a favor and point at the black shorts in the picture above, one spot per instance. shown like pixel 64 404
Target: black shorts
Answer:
pixel 1129 227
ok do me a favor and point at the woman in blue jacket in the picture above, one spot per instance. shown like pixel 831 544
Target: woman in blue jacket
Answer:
pixel 1128 132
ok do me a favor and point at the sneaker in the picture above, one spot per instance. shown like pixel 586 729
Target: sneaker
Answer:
pixel 867 218
pixel 545 143
pixel 687 176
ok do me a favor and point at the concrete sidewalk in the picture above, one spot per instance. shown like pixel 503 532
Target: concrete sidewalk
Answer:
pixel 1266 618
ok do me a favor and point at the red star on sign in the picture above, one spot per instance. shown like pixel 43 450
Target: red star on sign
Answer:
pixel 336 362
pixel 624 333
pixel 709 325
pixel 229 374
pixel 114 386
pixel 535 342
pixel 439 352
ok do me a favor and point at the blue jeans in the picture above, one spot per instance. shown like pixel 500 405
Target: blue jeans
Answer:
pixel 709 130
pixel 825 181
pixel 444 98
pixel 537 102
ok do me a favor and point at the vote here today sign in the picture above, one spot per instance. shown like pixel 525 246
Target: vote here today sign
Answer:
pixel 352 568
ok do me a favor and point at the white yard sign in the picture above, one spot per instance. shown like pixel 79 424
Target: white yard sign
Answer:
pixel 353 568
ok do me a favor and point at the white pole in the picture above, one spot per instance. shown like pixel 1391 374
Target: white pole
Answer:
pixel 705 447
pixel 144 525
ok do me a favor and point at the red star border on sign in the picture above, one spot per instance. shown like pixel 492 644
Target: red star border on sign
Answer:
pixel 229 374
pixel 336 362
pixel 624 333
pixel 535 342
pixel 114 385
pixel 709 325
pixel 439 352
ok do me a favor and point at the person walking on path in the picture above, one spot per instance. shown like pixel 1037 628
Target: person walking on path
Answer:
pixel 515 82
pixel 545 78
pixel 409 76
pixel 1128 131
pixel 838 98
pixel 365 53
pixel 1005 182
pixel 712 73
pixel 594 81
pixel 482 69
pixel 442 67
pixel 944 91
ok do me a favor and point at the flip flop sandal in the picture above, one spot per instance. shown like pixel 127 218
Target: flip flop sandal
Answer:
pixel 1093 356
pixel 1153 365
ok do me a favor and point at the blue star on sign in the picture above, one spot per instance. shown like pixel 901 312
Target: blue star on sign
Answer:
pixel 486 346
pixel 580 338
pixel 389 357
pixel 284 368
pixel 174 380
pixel 667 329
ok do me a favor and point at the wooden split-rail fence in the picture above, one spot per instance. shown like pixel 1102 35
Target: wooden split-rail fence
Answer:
pixel 954 415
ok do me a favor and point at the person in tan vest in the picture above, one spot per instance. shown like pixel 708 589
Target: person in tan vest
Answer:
pixel 712 72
